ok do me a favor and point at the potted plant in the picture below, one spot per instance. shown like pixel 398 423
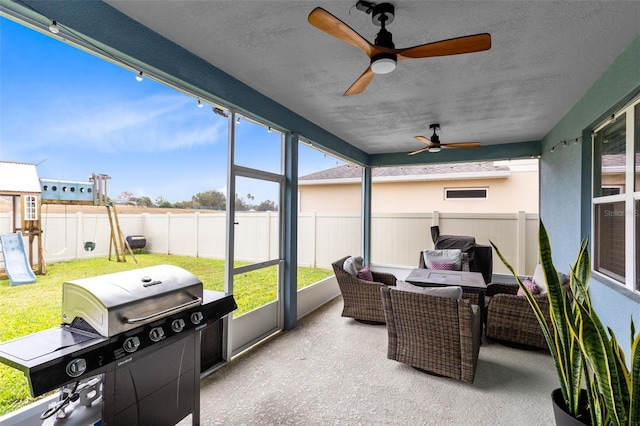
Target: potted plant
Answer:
pixel 597 386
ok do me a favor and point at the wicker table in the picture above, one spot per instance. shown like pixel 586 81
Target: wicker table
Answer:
pixel 472 283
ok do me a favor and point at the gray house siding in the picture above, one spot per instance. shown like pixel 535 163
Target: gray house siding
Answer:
pixel 565 183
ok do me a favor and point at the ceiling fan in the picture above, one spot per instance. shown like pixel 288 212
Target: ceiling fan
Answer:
pixel 434 145
pixel 383 54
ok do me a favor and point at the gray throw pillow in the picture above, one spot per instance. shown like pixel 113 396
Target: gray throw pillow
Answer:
pixel 451 292
pixel 353 264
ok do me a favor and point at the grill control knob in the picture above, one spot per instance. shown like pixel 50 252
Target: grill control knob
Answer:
pixel 177 325
pixel 131 344
pixel 156 334
pixel 196 317
pixel 76 367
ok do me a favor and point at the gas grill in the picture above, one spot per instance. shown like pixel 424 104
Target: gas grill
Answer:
pixel 136 333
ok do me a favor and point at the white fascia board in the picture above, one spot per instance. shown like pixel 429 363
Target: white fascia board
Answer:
pixel 412 178
pixel 613 170
pixel 344 181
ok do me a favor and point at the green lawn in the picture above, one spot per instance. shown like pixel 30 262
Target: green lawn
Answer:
pixel 29 308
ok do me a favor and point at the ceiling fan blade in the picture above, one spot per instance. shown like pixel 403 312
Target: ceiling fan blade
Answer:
pixel 462 145
pixel 331 25
pixel 419 151
pixel 454 46
pixel 425 140
pixel 361 83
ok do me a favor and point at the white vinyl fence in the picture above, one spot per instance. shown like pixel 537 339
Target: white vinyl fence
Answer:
pixel 397 239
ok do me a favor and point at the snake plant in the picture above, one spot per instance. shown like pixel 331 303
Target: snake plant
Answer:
pixel 584 353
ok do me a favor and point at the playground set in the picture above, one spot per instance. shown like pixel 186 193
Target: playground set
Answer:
pixel 28 193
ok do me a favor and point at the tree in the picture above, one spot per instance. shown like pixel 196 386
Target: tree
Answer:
pixel 143 201
pixel 214 199
pixel 125 197
pixel 267 205
pixel 240 204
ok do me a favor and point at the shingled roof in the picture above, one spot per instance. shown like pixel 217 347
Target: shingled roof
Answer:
pixel 426 171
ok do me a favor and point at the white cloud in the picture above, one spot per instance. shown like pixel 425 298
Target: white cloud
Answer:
pixel 156 123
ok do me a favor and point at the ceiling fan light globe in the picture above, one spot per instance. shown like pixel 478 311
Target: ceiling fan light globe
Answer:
pixel 383 63
pixel 435 149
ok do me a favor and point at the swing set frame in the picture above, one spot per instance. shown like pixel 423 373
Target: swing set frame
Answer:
pixel 28 194
pixel 117 242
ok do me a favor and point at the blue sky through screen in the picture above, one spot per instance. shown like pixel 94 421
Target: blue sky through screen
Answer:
pixel 75 114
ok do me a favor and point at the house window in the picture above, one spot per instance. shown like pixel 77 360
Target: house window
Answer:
pixel 616 197
pixel 612 190
pixel 30 207
pixel 466 193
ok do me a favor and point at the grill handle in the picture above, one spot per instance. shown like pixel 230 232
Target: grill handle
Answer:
pixel 195 302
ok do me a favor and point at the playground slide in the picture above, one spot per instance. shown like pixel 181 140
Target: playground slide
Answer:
pixel 16 261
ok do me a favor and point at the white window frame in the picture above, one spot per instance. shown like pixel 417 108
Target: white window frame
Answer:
pixel 447 198
pixel 629 198
pixel 30 207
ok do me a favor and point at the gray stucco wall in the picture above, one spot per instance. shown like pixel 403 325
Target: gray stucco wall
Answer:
pixel 565 183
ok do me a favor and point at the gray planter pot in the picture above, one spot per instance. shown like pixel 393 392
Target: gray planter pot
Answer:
pixel 563 418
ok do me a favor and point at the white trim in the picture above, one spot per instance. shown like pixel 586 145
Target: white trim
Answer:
pixel 411 178
pixel 627 196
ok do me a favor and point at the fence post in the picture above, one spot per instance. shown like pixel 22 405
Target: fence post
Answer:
pixel 196 226
pixel 145 231
pixel 268 239
pixel 314 248
pixel 168 250
pixel 522 243
pixel 79 234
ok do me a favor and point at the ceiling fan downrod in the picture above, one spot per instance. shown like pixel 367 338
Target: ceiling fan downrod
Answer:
pixel 435 138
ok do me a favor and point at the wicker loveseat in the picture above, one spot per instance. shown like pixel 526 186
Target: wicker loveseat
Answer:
pixel 435 334
pixel 511 319
pixel 361 298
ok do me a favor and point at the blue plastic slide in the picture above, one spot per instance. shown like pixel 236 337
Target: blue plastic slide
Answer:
pixel 16 261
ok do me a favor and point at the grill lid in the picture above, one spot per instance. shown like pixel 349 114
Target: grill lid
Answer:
pixel 113 303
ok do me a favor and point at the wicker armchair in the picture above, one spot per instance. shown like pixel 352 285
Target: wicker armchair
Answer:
pixel 361 298
pixel 437 335
pixel 511 319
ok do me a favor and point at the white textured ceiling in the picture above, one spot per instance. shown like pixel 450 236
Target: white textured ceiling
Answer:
pixel 544 56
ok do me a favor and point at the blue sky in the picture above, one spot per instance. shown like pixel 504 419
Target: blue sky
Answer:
pixel 75 114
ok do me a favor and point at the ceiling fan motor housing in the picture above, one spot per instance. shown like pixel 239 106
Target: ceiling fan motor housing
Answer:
pixel 383 14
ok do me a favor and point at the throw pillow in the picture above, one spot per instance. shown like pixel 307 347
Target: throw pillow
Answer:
pixel 533 287
pixel 452 292
pixel 443 266
pixel 538 278
pixel 365 274
pixel 450 259
pixel 353 264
